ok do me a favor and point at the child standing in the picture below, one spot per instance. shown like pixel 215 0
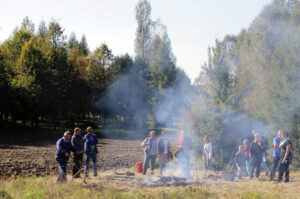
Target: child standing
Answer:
pixel 240 161
pixel 246 152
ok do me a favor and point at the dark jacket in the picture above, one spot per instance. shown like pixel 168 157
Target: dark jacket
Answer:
pixel 255 150
pixel 90 145
pixel 283 146
pixel 240 159
pixel 63 147
pixel 161 145
pixel 78 143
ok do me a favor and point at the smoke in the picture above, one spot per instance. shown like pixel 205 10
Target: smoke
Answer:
pixel 133 97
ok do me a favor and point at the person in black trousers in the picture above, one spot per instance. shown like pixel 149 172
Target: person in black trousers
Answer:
pixel 286 156
pixel 78 143
pixel 256 155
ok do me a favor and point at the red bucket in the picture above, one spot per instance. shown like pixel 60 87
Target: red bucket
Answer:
pixel 139 167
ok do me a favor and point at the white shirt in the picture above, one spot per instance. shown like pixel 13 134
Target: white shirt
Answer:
pixel 207 150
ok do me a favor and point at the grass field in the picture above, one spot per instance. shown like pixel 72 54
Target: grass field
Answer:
pixel 47 188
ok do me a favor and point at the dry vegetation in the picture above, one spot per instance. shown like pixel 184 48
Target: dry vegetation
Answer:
pixel 105 186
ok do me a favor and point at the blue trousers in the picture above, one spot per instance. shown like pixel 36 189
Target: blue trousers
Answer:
pixel 88 158
pixel 148 158
pixel 62 169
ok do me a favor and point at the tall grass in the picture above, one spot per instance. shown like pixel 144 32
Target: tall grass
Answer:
pixel 47 188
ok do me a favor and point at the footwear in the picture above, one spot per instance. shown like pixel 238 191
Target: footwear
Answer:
pixel 152 172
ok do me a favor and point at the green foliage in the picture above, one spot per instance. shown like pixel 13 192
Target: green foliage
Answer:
pixel 251 81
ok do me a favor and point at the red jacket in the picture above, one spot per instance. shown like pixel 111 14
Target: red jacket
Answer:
pixel 184 144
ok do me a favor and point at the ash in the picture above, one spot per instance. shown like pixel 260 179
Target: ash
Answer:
pixel 166 181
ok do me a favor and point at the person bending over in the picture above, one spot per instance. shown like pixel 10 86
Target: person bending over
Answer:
pixel 63 151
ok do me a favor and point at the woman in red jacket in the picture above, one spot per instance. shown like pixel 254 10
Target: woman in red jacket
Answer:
pixel 184 145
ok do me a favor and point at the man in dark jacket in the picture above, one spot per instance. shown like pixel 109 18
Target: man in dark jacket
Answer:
pixel 63 151
pixel 90 149
pixel 163 149
pixel 256 155
pixel 78 143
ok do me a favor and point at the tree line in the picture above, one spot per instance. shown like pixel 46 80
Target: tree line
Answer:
pixel 49 78
pixel 251 82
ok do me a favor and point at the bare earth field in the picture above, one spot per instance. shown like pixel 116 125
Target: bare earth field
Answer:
pixel 21 164
pixel 38 159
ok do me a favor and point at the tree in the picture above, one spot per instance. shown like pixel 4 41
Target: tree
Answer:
pixel 42 29
pixel 72 42
pixel 27 25
pixel 142 41
pixel 83 46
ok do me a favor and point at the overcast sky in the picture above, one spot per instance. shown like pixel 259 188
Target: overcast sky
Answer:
pixel 193 25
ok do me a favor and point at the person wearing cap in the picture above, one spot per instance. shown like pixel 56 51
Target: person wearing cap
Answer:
pixel 63 151
pixel 78 143
pixel 90 149
pixel 286 156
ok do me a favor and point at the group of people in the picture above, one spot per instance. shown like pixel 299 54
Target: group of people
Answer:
pixel 252 158
pixel 154 147
pixel 249 159
pixel 79 146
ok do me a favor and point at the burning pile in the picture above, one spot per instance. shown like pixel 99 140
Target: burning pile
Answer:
pixel 165 181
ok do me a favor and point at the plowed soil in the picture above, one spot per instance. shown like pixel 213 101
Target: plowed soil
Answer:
pixel 38 159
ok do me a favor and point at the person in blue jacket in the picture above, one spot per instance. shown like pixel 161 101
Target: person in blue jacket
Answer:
pixel 63 151
pixel 90 149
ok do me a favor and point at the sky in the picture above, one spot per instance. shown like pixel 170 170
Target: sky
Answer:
pixel 193 25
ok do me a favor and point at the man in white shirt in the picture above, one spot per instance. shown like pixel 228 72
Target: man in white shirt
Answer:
pixel 207 154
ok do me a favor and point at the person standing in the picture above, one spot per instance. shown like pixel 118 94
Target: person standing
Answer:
pixel 256 155
pixel 207 154
pixel 184 145
pixel 91 151
pixel 265 144
pixel 246 153
pixel 78 143
pixel 150 149
pixel 240 161
pixel 63 151
pixel 276 154
pixel 286 156
pixel 163 149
